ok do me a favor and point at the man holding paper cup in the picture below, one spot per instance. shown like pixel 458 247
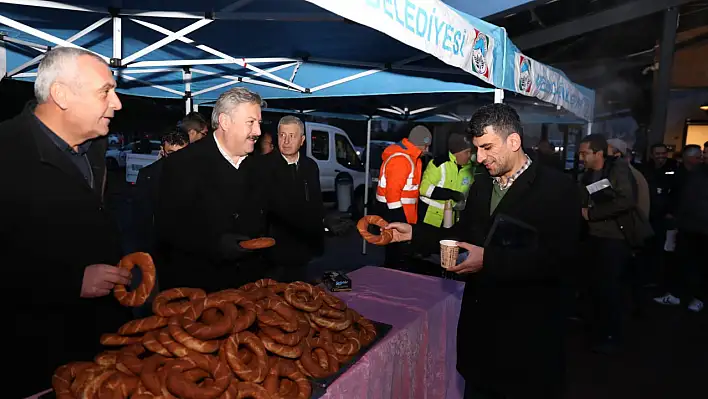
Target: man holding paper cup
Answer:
pixel 520 231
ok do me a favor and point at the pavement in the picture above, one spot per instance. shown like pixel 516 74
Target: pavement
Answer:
pixel 665 351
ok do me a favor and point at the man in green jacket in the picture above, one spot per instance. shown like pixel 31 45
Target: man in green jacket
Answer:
pixel 446 178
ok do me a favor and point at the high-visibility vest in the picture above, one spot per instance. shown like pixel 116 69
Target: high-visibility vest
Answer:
pixel 443 173
pixel 409 196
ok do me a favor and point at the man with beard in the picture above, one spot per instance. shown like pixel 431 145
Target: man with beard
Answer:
pixel 510 332
pixel 295 205
pixel 210 201
pixel 59 243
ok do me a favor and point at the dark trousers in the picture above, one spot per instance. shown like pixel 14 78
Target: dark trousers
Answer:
pixel 609 259
pixel 691 264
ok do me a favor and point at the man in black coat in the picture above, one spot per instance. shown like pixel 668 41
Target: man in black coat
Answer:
pixel 510 332
pixel 210 200
pixel 295 208
pixel 147 188
pixel 59 244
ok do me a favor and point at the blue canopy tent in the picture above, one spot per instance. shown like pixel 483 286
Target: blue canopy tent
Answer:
pixel 283 49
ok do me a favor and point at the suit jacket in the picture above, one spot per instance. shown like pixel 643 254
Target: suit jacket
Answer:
pixel 53 226
pixel 202 197
pixel 144 202
pixel 295 209
pixel 510 332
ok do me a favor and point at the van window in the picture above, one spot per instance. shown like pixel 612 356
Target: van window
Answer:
pixel 320 145
pixel 346 155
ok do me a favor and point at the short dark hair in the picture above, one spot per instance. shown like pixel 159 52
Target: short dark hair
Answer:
pixel 502 117
pixel 658 145
pixel 175 137
pixel 193 121
pixel 705 144
pixel 691 150
pixel 596 142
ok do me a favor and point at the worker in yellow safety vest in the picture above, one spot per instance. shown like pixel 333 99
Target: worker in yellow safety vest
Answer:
pixel 447 179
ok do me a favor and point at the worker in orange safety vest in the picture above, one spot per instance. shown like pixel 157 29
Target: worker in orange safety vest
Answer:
pixel 398 188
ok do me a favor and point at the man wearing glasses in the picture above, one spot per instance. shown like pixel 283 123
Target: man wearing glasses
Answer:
pixel 194 125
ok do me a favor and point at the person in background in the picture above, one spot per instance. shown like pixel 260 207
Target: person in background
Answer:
pixel 446 178
pixel 613 235
pixel 686 200
pixel 210 200
pixel 295 207
pixel 194 125
pixel 510 333
pixel 619 149
pixel 399 181
pixel 147 189
pixel 265 144
pixel 60 245
pixel 660 173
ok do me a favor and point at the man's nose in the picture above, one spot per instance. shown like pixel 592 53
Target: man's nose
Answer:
pixel 481 156
pixel 115 102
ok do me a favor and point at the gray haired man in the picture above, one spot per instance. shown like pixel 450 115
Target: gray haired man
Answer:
pixel 210 201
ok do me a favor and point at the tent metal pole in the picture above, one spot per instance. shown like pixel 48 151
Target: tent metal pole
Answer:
pixel 80 34
pixel 206 61
pixel 159 87
pixel 149 70
pixel 344 80
pixel 367 176
pixel 218 53
pixel 235 79
pixel 117 38
pixel 420 110
pixel 498 96
pixel 42 35
pixel 34 46
pixel 167 40
pixel 187 78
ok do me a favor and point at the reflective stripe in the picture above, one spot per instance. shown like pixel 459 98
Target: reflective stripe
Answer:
pixel 394 205
pixel 432 202
pixel 409 201
pixel 380 198
pixel 441 183
pixel 409 180
pixel 430 190
pixel 411 187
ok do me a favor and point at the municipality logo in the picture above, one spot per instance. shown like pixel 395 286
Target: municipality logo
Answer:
pixel 480 49
pixel 525 80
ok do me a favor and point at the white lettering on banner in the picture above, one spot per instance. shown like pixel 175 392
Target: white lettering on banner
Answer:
pixel 428 25
pixel 534 79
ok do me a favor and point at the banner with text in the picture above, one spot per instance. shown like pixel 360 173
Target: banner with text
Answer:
pixel 428 25
pixel 534 79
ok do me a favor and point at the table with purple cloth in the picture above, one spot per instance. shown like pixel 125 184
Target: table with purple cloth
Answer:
pixel 416 359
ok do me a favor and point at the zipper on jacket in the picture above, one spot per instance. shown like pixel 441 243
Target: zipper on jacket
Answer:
pixel 307 193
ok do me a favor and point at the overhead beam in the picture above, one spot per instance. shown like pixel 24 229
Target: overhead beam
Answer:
pixel 602 19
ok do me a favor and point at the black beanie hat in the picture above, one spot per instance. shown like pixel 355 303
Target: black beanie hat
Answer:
pixel 458 142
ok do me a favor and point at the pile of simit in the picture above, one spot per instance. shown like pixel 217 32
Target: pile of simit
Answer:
pixel 260 341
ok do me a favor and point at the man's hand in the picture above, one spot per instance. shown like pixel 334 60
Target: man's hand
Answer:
pixel 99 280
pixel 474 261
pixel 585 213
pixel 401 231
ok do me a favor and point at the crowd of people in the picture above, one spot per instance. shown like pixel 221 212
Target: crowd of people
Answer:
pixel 522 227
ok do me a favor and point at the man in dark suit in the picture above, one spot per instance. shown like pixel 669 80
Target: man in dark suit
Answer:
pixel 510 332
pixel 210 201
pixel 59 244
pixel 147 188
pixel 295 208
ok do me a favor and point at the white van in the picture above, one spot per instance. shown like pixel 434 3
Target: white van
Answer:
pixel 335 155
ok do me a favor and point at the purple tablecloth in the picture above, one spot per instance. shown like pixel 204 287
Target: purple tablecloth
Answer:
pixel 417 358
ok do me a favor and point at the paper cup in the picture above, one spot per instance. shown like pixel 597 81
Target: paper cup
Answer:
pixel 448 253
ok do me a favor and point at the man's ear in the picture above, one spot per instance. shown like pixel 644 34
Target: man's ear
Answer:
pixel 59 93
pixel 514 140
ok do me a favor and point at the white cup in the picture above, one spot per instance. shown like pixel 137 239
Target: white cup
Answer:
pixel 448 253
